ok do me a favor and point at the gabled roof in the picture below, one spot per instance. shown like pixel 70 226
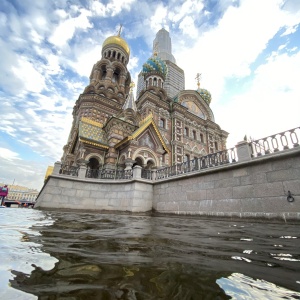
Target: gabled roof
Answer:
pixel 91 132
pixel 144 124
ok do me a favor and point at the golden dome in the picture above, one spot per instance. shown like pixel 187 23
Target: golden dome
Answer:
pixel 118 41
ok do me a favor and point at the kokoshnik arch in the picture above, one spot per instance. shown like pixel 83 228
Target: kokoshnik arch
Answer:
pixel 164 126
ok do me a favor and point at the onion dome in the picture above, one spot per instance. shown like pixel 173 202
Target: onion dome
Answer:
pixel 155 65
pixel 117 40
pixel 205 95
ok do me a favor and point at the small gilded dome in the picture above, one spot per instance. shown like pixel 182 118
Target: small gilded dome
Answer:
pixel 205 95
pixel 156 65
pixel 117 40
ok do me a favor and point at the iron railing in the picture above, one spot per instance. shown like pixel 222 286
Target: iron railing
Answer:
pixel 277 142
pixel 69 170
pixel 274 143
pixel 211 160
pixel 108 174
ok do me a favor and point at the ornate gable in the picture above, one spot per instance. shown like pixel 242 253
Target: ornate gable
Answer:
pixel 147 132
pixel 195 104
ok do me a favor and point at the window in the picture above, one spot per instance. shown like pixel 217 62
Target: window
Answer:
pixel 194 134
pixel 201 138
pixel 216 146
pixel 162 123
pixel 186 157
pixel 186 131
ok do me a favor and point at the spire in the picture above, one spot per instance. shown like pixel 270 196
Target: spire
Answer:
pixel 162 44
pixel 130 102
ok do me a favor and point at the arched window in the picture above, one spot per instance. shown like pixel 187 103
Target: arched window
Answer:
pixel 119 55
pixel 186 157
pixel 116 75
pixel 109 53
pixel 186 131
pixel 114 54
pixel 155 81
pixel 159 83
pixel 103 72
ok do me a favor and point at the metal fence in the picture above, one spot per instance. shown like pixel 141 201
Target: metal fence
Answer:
pixel 69 170
pixel 274 143
pixel 108 174
pixel 271 144
pixel 208 161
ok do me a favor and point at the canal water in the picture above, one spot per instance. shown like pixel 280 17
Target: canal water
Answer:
pixel 87 255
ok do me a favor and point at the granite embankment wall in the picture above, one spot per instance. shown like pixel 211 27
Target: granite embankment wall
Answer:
pixel 74 193
pixel 256 188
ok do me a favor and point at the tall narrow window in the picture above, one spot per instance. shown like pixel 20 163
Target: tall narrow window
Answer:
pixel 194 134
pixel 186 131
pixel 201 138
pixel 216 146
pixel 116 75
pixel 162 123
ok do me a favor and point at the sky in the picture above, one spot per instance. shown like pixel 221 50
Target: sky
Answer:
pixel 248 52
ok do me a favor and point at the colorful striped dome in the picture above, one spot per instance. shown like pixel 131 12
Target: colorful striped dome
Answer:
pixel 155 65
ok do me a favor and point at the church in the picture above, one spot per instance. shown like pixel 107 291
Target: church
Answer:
pixel 162 126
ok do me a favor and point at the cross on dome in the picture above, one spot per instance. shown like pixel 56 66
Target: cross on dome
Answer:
pixel 198 77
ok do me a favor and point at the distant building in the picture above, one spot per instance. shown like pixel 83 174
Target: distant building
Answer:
pixel 164 126
pixel 17 192
pixel 48 172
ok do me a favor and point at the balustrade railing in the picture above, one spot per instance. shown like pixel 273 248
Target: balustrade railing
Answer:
pixel 207 161
pixel 69 170
pixel 108 174
pixel 271 144
pixel 277 142
pixel 146 174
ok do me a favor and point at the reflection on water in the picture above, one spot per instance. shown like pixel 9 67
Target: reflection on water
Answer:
pixel 72 255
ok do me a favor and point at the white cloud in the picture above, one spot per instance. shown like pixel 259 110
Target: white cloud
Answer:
pixel 229 49
pixel 8 154
pixel 158 20
pixel 29 77
pixel 270 105
pixel 66 29
pixel 188 27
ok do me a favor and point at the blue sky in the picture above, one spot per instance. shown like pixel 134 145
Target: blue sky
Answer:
pixel 248 52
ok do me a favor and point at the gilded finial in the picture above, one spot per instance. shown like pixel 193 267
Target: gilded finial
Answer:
pixel 120 29
pixel 198 77
pixel 132 85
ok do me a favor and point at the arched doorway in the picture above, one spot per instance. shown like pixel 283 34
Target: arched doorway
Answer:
pixel 93 163
pixel 150 164
pixel 138 162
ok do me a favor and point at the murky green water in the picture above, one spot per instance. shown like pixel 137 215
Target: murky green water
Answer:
pixel 73 255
